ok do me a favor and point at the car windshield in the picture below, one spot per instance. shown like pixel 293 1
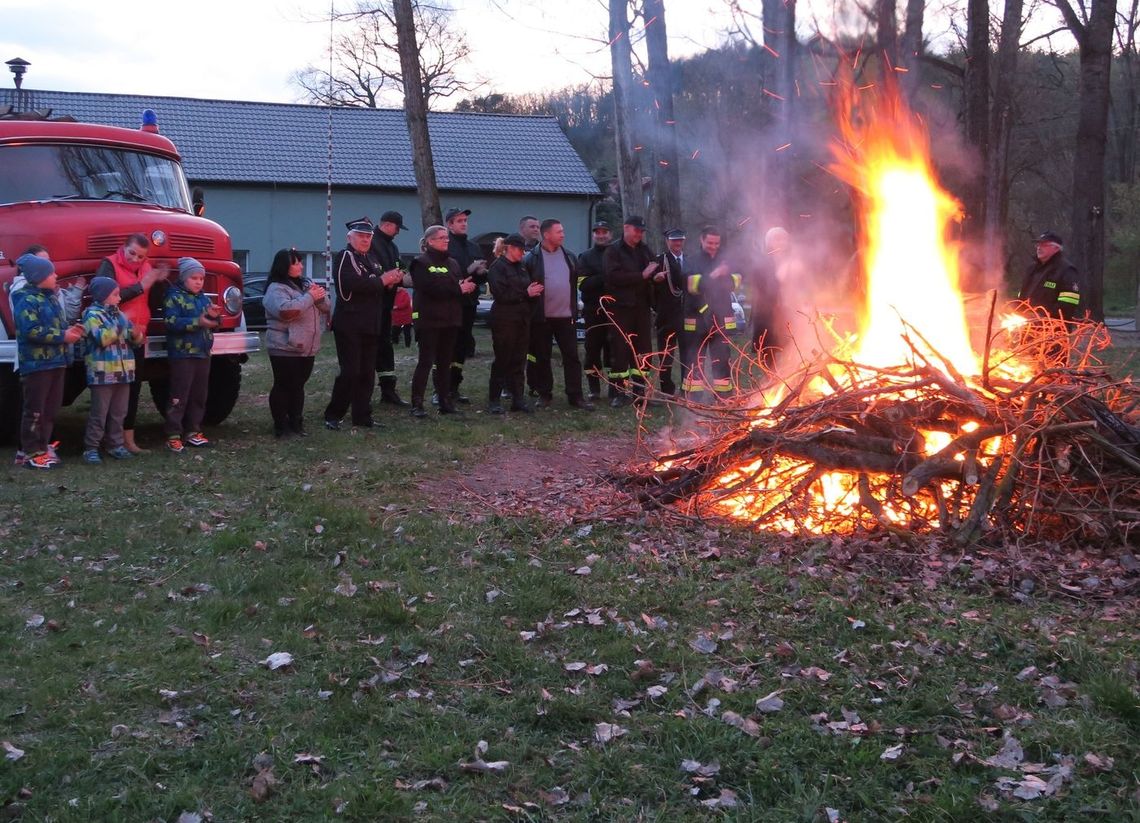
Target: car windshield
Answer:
pixel 71 172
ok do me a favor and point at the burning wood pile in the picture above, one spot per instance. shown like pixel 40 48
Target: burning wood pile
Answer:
pixel 920 448
pixel 902 425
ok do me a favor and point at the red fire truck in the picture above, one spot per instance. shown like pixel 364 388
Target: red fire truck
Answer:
pixel 79 189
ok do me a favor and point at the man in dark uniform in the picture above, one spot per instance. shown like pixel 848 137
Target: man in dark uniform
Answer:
pixel 1052 282
pixel 629 266
pixel 515 295
pixel 359 286
pixel 668 305
pixel 592 285
pixel 387 256
pixel 471 264
pixel 709 317
pixel 556 269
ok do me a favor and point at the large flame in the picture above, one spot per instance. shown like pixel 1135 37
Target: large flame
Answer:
pixel 913 308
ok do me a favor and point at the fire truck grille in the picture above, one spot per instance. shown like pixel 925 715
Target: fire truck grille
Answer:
pixel 189 244
pixel 103 245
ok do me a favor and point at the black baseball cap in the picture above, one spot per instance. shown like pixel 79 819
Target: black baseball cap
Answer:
pixel 393 217
pixel 635 221
pixel 1050 237
pixel 515 240
pixel 452 213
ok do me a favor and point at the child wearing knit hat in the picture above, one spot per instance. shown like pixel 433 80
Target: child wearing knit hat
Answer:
pixel 190 320
pixel 110 361
pixel 43 349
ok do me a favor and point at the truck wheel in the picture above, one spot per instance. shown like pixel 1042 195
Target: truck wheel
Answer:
pixel 225 384
pixel 11 406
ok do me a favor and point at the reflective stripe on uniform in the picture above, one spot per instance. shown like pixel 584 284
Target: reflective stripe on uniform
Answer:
pixel 1050 284
pixel 530 358
pixel 730 322
pixel 736 281
pixel 458 366
pixel 690 385
pixel 618 375
pixel 722 384
pixel 694 283
pixel 383 374
pixel 703 308
pixel 1071 297
pixel 437 269
pixel 415 315
pixel 690 324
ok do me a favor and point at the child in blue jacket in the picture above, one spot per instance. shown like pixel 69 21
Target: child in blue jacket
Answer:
pixel 190 320
pixel 43 348
pixel 110 360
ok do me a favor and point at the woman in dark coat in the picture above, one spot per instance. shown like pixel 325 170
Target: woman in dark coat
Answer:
pixel 514 294
pixel 437 313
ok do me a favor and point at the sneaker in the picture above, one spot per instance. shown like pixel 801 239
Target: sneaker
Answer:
pixel 91 456
pixel 197 440
pixel 418 410
pixel 42 460
pixel 174 444
pixel 581 403
pixel 21 458
pixel 456 397
pixel 121 453
pixel 495 408
pixel 332 425
pixel 435 398
pixel 52 455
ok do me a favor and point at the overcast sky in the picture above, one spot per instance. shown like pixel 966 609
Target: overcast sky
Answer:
pixel 247 49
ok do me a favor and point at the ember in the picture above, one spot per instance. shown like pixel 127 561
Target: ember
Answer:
pixel 903 426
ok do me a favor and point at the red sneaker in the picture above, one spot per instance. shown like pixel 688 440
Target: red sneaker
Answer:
pixel 197 440
pixel 174 444
pixel 40 460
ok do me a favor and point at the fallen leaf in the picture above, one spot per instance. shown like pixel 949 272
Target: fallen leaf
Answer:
pixel 575 667
pixel 345 587
pixel 1098 763
pixel 771 703
pixel 746 724
pixel 605 732
pixel 278 660
pixel 726 800
pixel 433 784
pixel 10 751
pixel 262 785
pixel 307 759
pixel 703 643
pixel 892 753
pixel 481 766
pixel 555 797
pixel 1009 756
pixel 654 692
pixel 492 595
pixel 189 817
pixel 35 621
pixel 816 673
pixel 700 769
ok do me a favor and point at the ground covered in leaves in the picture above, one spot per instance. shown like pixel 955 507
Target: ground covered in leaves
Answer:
pixel 468 620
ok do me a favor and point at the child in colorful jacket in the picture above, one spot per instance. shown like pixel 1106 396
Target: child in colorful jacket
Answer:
pixel 190 320
pixel 110 361
pixel 43 345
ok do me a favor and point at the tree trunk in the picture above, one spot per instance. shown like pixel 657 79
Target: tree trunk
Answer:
pixel 1125 123
pixel 782 47
pixel 911 47
pixel 629 170
pixel 997 160
pixel 977 105
pixel 887 30
pixel 1086 249
pixel 666 213
pixel 415 108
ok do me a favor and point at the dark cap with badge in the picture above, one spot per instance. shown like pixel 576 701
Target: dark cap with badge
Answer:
pixel 394 217
pixel 453 213
pixel 635 221
pixel 360 224
pixel 515 240
pixel 675 234
pixel 600 226
pixel 1050 237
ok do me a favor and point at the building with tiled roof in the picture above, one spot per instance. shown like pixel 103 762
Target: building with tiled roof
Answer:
pixel 264 166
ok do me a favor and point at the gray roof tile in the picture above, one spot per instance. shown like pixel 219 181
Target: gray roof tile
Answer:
pixel 239 142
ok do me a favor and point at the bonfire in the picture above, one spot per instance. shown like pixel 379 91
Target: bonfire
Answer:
pixel 903 425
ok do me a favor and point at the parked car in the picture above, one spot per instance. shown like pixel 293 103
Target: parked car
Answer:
pixel 253 292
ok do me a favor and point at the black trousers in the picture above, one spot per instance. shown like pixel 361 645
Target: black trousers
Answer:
pixel 631 342
pixel 707 340
pixel 43 395
pixel 385 355
pixel 436 349
pixel 464 344
pixel 597 360
pixel 543 334
pixel 668 339
pixel 406 332
pixel 287 395
pixel 189 383
pixel 356 355
pixel 510 339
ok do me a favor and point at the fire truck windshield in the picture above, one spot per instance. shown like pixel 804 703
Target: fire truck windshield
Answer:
pixel 84 172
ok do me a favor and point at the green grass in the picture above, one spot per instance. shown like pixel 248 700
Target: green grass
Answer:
pixel 398 683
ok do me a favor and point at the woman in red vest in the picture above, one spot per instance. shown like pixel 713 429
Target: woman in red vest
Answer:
pixel 133 272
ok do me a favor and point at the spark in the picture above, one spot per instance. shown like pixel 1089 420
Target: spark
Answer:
pixel 696 154
pixel 772 51
pixel 772 94
pixel 781 148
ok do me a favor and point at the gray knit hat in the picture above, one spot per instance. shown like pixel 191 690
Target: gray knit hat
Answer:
pixel 101 288
pixel 35 269
pixel 188 266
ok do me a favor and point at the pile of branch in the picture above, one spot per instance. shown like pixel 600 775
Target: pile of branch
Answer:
pixel 1053 456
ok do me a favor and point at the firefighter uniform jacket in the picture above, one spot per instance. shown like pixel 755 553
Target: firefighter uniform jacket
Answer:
pixel 592 276
pixel 437 302
pixel 1054 286
pixel 669 294
pixel 386 255
pixel 464 252
pixel 708 299
pixel 359 293
pixel 509 282
pixel 624 265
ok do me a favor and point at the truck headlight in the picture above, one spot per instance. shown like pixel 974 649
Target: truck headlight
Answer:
pixel 231 299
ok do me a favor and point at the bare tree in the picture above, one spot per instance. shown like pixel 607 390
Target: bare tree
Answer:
pixel 1126 123
pixel 621 58
pixel 1091 23
pixel 666 212
pixel 415 108
pixel 367 65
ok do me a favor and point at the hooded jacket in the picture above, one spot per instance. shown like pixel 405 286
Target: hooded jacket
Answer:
pixel 185 337
pixel 40 329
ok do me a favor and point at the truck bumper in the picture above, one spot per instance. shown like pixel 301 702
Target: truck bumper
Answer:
pixel 235 342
